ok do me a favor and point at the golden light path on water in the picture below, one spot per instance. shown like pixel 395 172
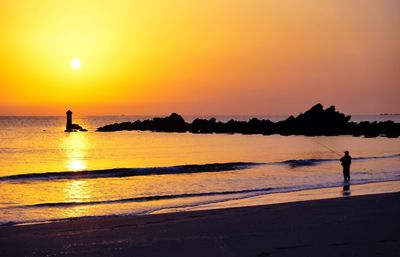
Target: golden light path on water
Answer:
pixel 75 146
pixel 77 191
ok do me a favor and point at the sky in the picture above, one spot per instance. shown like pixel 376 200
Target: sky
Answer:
pixel 199 56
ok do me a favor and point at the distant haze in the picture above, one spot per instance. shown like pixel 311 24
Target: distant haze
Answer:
pixel 199 56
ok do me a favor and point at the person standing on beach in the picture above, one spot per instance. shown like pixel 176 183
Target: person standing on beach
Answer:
pixel 346 162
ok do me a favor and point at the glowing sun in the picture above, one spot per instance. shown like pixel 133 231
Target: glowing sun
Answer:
pixel 75 63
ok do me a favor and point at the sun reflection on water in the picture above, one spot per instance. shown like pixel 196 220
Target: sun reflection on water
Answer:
pixel 76 165
pixel 76 190
pixel 75 146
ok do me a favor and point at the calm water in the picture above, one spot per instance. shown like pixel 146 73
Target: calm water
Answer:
pixel 37 149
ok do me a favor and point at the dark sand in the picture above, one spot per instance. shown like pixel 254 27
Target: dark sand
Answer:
pixel 352 226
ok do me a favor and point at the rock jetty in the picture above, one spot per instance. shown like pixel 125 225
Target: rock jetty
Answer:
pixel 316 121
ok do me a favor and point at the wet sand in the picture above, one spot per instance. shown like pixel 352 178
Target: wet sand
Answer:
pixel 350 226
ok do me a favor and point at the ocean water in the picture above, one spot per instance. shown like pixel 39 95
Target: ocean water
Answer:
pixel 47 174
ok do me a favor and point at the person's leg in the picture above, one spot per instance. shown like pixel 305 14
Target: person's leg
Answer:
pixel 346 173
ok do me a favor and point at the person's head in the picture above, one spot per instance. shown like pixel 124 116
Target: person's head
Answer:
pixel 346 152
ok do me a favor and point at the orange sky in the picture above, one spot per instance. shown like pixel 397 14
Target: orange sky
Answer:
pixel 199 56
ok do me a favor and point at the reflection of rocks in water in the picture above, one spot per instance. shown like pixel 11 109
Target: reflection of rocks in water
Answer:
pixel 70 127
pixel 317 121
pixel 346 189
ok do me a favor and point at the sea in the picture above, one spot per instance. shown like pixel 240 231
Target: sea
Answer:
pixel 49 175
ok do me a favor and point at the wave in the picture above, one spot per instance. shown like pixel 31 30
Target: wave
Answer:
pixel 128 172
pixel 310 162
pixel 306 162
pixel 378 157
pixel 144 198
pixel 180 169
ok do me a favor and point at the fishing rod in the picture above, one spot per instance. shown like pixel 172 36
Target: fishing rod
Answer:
pixel 333 151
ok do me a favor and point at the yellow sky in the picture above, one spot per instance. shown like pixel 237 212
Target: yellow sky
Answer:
pixel 199 56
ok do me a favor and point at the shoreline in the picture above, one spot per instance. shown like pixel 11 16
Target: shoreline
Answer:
pixel 333 192
pixel 370 188
pixel 364 225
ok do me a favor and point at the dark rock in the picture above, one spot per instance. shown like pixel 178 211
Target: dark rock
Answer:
pixel 314 122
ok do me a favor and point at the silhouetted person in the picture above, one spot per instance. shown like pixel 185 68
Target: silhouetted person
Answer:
pixel 346 162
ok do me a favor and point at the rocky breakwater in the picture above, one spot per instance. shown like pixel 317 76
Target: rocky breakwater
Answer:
pixel 316 121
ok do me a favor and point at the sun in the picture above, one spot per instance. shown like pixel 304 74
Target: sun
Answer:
pixel 75 63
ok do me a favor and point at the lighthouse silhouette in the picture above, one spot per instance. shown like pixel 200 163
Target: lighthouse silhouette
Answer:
pixel 70 127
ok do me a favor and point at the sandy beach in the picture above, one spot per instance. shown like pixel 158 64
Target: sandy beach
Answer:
pixel 352 226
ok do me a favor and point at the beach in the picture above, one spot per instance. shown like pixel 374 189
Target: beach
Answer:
pixel 348 226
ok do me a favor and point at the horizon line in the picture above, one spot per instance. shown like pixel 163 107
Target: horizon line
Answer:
pixel 156 115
